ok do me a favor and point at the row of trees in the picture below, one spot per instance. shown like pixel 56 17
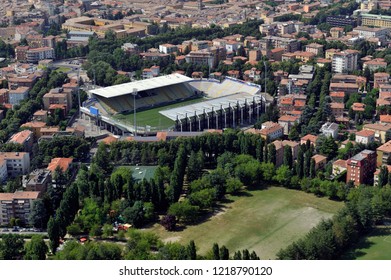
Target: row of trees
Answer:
pixel 13 247
pixel 365 208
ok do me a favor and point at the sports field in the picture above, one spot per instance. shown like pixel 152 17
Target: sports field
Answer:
pixel 142 172
pixel 262 220
pixel 376 246
pixel 152 117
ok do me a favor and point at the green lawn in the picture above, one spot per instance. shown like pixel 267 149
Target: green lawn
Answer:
pixel 376 246
pixel 63 69
pixel 262 220
pixel 152 117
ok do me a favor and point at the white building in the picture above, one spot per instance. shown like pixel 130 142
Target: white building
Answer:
pixel 330 130
pixel 365 136
pixel 17 163
pixel 17 95
pixel 35 55
pixel 168 48
pixel 372 32
pixel 345 61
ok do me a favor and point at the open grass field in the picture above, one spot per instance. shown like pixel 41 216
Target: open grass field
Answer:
pixel 376 246
pixel 152 117
pixel 63 69
pixel 261 220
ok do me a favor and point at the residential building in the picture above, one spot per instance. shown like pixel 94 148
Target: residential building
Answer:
pixel 380 78
pixel 336 32
pixel 361 167
pixel 372 32
pixel 320 161
pixel 18 163
pixel 37 181
pixel 376 174
pixel 380 130
pixel 375 20
pixel 35 127
pixel 344 87
pixel 375 64
pixel 24 138
pixel 58 96
pixel 201 57
pixel 16 205
pixel 63 163
pixel 309 137
pixel 271 131
pixel 287 122
pixel 385 119
pixel 21 53
pixel 339 166
pixel 330 130
pixel 341 21
pixel 337 109
pixel 152 72
pixel 35 55
pixel 337 96
pixel 365 136
pixel 15 96
pixel 384 154
pixel 168 48
pixel 315 48
pixel 40 115
pixel 280 146
pixel 345 61
pixel 273 42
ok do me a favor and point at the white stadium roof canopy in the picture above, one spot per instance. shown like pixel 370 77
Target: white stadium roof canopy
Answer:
pixel 142 85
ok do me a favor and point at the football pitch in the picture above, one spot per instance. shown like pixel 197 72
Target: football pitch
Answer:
pixel 261 220
pixel 152 117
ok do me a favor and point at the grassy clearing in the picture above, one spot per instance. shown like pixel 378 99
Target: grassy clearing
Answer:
pixel 262 220
pixel 63 69
pixel 376 246
pixel 152 117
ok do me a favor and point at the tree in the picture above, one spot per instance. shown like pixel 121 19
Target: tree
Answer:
pixel 195 165
pixel 169 222
pixel 383 176
pixel 135 214
pixel 11 247
pixel 54 234
pixel 224 253
pixel 216 251
pixel 272 154
pixel 184 211
pixel 288 157
pixel 283 175
pixel 234 185
pixel 39 216
pixel 312 168
pixel 192 250
pixel 36 249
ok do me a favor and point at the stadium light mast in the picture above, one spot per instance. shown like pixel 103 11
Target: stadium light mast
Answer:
pixel 78 91
pixel 264 63
pixel 134 93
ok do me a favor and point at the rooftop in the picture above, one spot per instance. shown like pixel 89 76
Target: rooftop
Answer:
pixel 148 84
pixel 63 163
pixel 21 137
pixel 385 147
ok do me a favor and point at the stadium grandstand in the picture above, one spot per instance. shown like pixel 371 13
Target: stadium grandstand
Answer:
pixel 149 93
pixel 176 99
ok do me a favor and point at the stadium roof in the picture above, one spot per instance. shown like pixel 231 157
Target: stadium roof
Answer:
pixel 148 84
pixel 209 106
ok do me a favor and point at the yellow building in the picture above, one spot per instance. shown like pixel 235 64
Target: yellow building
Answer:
pixel 375 20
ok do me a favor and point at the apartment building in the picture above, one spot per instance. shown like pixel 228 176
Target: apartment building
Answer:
pixel 17 163
pixel 361 167
pixel 15 96
pixel 380 130
pixel 384 154
pixel 330 130
pixel 168 48
pixel 287 122
pixel 24 138
pixel 271 131
pixel 289 45
pixel 315 48
pixel 16 205
pixel 35 55
pixel 280 146
pixel 365 136
pixel 380 78
pixel 345 61
pixel 58 96
pixel 372 32
pixel 375 20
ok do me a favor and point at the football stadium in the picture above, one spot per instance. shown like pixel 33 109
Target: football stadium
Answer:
pixel 174 102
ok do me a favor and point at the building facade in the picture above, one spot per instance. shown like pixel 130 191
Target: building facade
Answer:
pixel 361 167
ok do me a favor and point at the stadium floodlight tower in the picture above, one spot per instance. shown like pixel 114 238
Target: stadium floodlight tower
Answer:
pixel 134 93
pixel 264 63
